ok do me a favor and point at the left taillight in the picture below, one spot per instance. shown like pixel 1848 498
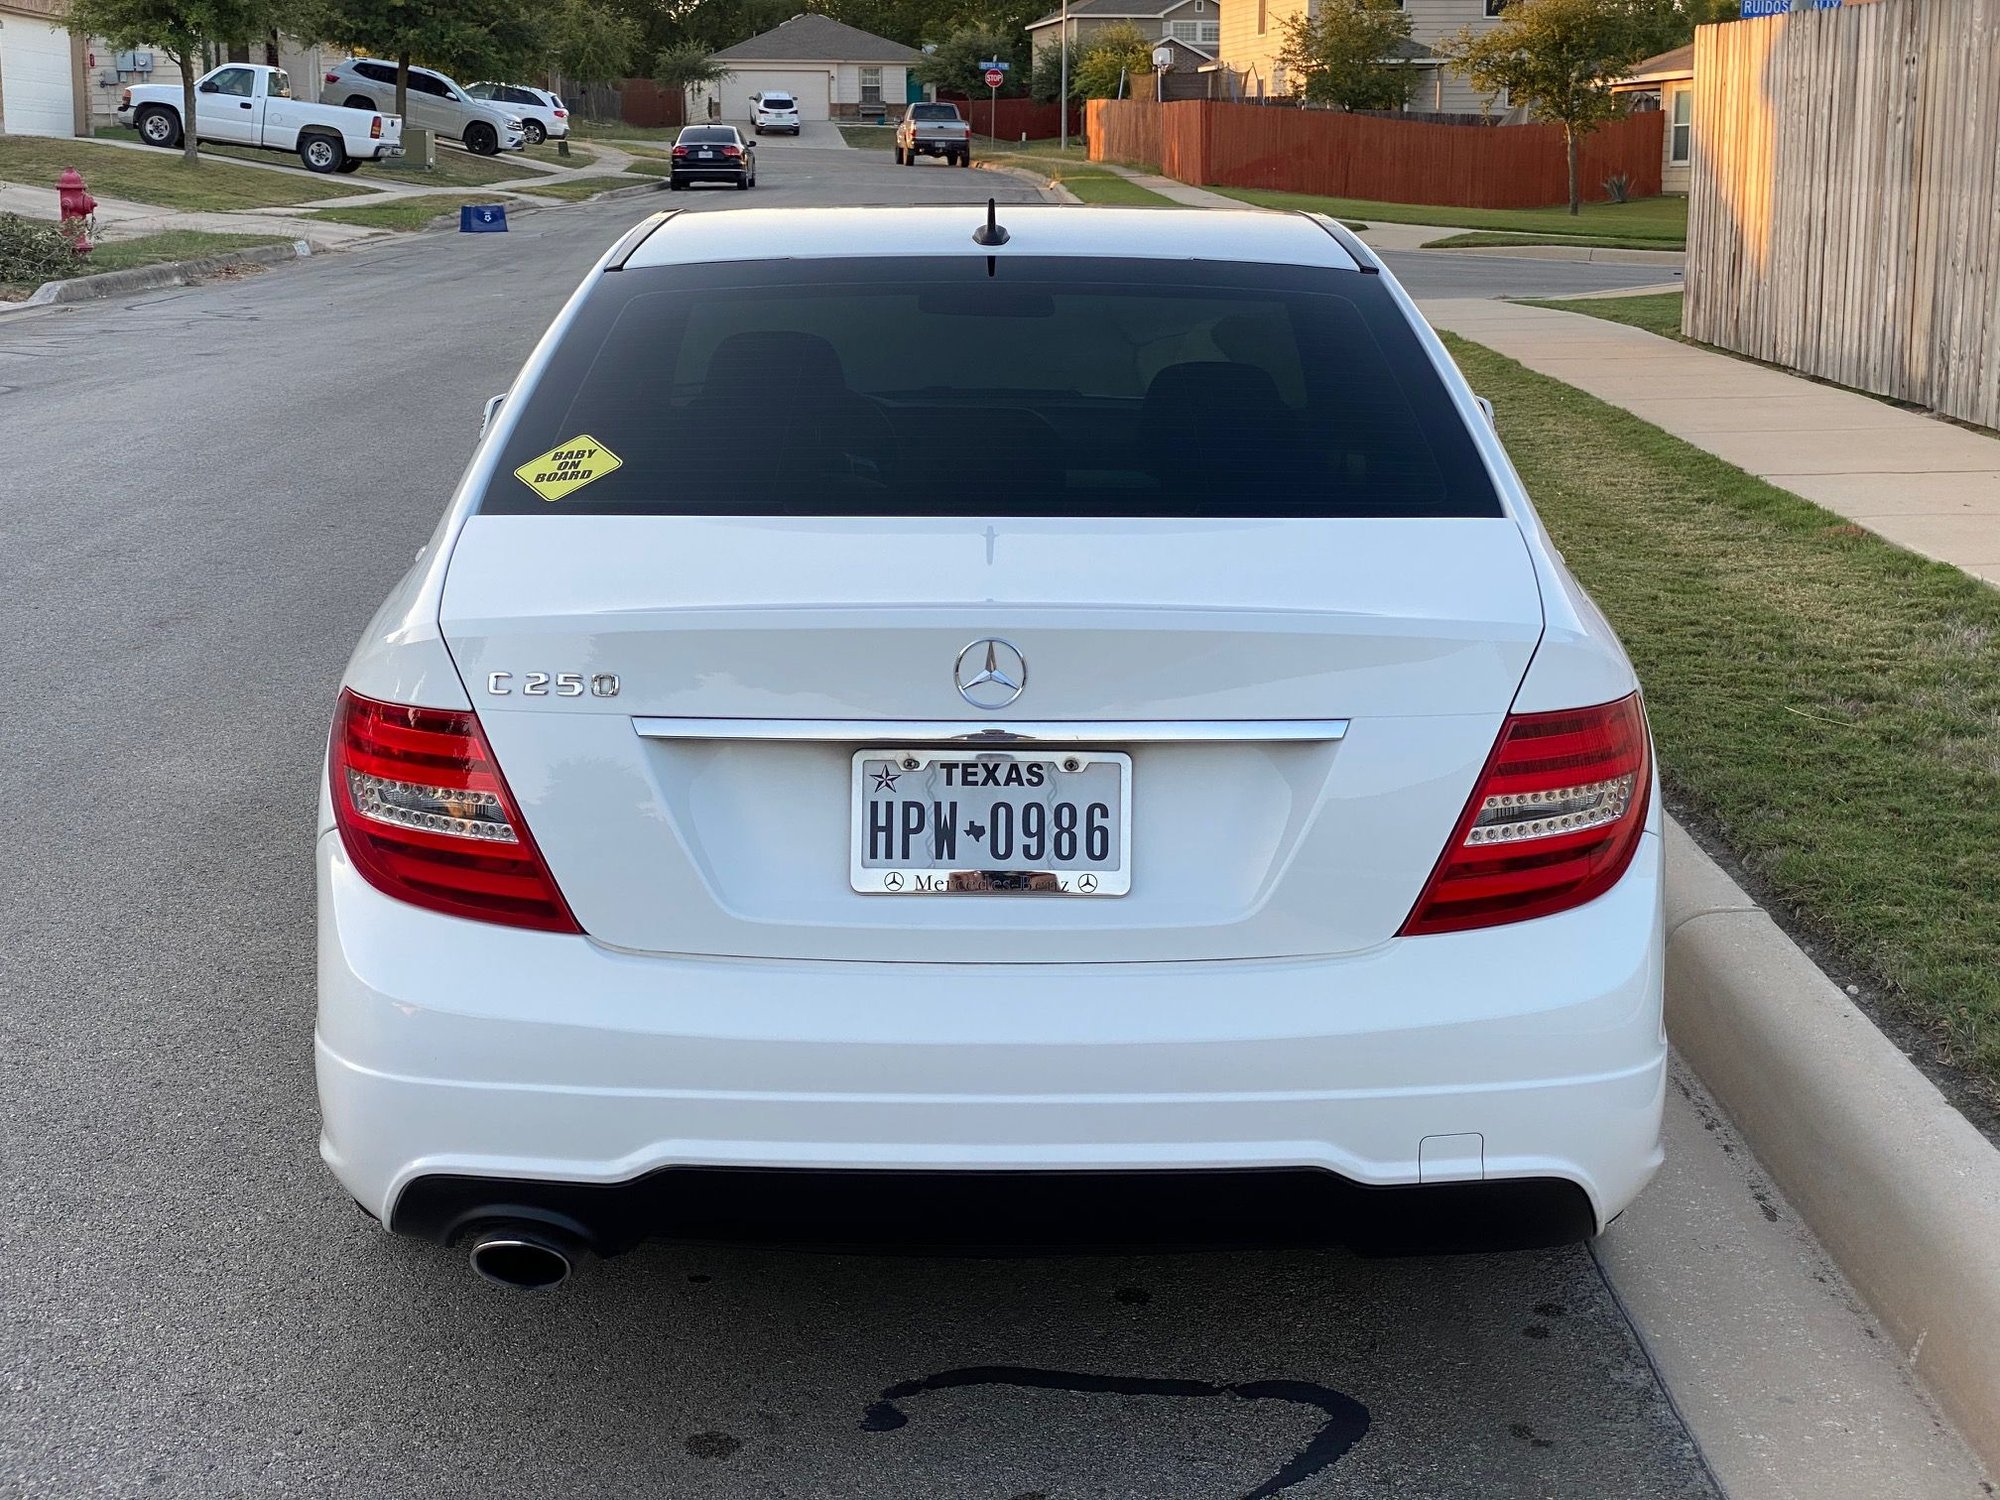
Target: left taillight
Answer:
pixel 375 129
pixel 1553 822
pixel 427 818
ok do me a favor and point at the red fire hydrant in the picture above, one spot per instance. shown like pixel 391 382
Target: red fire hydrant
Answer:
pixel 77 207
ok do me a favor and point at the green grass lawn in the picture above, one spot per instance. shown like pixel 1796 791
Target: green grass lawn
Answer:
pixel 1656 312
pixel 616 131
pixel 160 177
pixel 1108 187
pixel 573 188
pixel 401 213
pixel 579 155
pixel 1826 705
pixel 146 250
pixel 870 137
pixel 651 166
pixel 456 168
pixel 1661 223
pixel 1479 237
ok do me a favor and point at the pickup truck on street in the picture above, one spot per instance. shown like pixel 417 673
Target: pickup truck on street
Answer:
pixel 248 104
pixel 933 130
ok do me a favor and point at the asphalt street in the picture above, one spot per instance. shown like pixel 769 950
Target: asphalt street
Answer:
pixel 206 493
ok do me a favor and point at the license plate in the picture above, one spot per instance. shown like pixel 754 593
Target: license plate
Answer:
pixel 990 822
pixel 704 155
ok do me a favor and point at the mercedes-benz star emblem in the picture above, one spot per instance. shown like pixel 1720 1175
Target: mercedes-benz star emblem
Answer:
pixel 991 673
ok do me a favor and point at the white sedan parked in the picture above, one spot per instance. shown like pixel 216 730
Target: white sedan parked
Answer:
pixel 1153 781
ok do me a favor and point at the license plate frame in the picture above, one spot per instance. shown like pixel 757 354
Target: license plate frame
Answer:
pixel 1012 877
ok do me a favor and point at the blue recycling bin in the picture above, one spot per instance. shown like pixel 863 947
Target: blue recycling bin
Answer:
pixel 482 218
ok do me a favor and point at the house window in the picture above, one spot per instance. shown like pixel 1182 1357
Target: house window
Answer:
pixel 1494 7
pixel 871 85
pixel 1680 142
pixel 1195 33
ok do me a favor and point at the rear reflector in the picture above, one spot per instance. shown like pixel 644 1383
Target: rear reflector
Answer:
pixel 1553 822
pixel 427 818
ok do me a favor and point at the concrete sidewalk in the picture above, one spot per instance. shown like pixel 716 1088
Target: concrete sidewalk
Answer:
pixel 118 219
pixel 1919 482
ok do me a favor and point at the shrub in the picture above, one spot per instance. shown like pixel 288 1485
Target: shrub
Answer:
pixel 36 250
pixel 1618 187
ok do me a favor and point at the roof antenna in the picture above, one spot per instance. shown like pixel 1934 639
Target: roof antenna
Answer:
pixel 991 232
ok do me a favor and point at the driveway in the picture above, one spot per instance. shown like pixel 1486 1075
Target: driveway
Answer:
pixel 814 135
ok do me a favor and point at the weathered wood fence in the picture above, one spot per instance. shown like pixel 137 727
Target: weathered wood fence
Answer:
pixel 1365 156
pixel 1845 204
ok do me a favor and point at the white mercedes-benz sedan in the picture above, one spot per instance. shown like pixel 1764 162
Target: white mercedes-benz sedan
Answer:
pixel 959 726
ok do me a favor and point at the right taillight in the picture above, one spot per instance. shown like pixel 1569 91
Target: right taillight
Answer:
pixel 427 818
pixel 1552 824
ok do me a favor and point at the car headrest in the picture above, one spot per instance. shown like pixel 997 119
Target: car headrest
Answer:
pixel 803 365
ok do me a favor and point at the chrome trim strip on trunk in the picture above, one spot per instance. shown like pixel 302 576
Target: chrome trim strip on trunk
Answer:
pixel 1024 731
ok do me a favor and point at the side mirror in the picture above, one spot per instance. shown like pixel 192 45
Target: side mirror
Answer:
pixel 211 87
pixel 1487 407
pixel 493 405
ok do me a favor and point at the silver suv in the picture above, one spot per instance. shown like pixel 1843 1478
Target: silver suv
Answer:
pixel 436 104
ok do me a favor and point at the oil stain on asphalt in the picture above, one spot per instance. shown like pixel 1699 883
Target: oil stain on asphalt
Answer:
pixel 1345 1424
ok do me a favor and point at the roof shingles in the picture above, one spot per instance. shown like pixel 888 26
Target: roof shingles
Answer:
pixel 814 38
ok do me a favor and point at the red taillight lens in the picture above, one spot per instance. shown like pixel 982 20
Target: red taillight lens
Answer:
pixel 1552 824
pixel 732 150
pixel 680 151
pixel 333 78
pixel 375 129
pixel 427 818
pixel 562 114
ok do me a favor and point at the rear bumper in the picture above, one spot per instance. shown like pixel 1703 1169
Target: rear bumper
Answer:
pixel 548 1067
pixel 387 150
pixel 709 174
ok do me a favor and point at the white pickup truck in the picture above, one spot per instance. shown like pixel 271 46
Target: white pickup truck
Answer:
pixel 248 104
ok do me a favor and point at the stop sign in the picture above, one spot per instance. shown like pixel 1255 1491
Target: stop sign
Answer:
pixel 994 78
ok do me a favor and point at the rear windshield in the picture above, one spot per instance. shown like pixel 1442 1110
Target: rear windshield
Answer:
pixel 777 101
pixel 704 133
pixel 1050 387
pixel 933 112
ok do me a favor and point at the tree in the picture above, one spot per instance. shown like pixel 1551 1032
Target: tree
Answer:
pixel 1045 78
pixel 1662 25
pixel 679 68
pixel 183 29
pixel 592 44
pixel 953 64
pixel 1344 54
pixel 1557 57
pixel 493 39
pixel 1110 59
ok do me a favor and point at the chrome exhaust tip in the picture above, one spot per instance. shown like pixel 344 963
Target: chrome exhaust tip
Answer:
pixel 514 1255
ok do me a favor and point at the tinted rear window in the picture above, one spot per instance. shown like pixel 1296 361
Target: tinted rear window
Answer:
pixel 1055 387
pixel 777 101
pixel 933 112
pixel 704 134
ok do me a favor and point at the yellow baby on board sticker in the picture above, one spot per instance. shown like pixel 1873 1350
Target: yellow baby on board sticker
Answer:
pixel 568 467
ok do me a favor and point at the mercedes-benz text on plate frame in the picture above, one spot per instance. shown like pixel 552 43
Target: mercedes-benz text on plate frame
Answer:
pixel 986 822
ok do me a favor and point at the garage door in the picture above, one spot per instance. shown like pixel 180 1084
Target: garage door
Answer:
pixel 808 88
pixel 35 78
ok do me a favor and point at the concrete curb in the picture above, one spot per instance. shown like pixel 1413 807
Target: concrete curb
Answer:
pixel 1594 254
pixel 1901 1190
pixel 1050 189
pixel 167 273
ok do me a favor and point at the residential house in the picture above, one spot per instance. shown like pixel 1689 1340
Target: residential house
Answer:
pixel 1253 34
pixel 1666 82
pixel 42 71
pixel 835 71
pixel 1193 27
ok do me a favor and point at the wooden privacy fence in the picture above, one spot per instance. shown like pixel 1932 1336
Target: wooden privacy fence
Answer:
pixel 1015 118
pixel 1364 156
pixel 1845 208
